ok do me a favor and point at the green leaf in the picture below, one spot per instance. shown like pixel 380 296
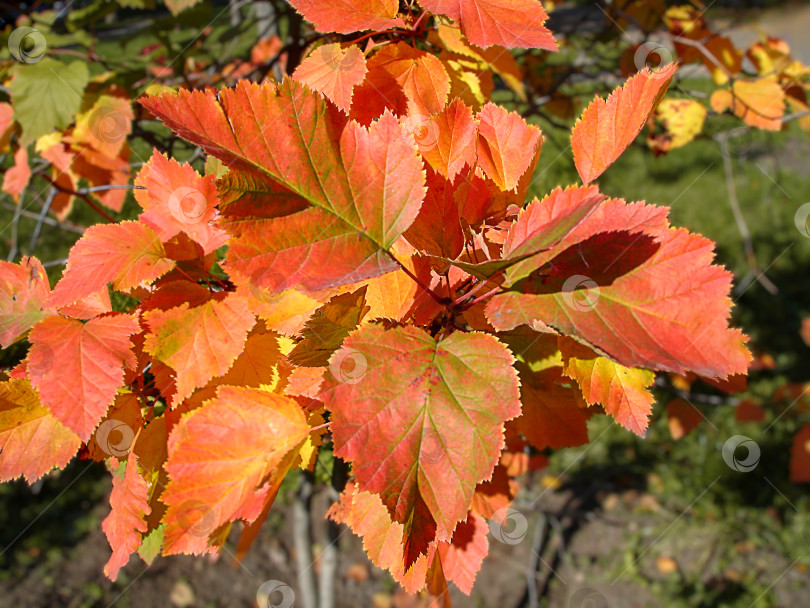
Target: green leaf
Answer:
pixel 47 95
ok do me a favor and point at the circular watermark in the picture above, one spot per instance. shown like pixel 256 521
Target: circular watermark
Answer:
pixel 275 594
pixel 39 361
pixel 196 518
pixel 587 598
pixel 348 366
pixel 736 143
pixel 643 58
pixel 580 293
pixel 751 460
pixel 109 125
pixel 27 45
pixel 508 525
pixel 188 205
pixel 339 59
pixel 265 287
pixel 426 134
pixel 431 448
pixel 802 220
pixel 111 430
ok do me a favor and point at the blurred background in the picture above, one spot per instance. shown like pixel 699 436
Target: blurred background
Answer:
pixel 668 520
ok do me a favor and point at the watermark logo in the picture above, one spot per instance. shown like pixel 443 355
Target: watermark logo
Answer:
pixel 348 366
pixel 39 361
pixel 653 56
pixel 188 205
pixel 587 598
pixel 27 45
pixel 196 518
pixel 730 456
pixel 508 525
pixel 275 594
pixel 108 125
pixel 736 143
pixel 580 293
pixel 111 430
pixel 339 59
pixel 801 220
pixel 426 134
pixel 431 449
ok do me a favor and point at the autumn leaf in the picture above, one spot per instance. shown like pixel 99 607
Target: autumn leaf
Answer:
pixel 421 75
pixel 506 145
pixel 219 464
pixel 328 327
pixel 509 23
pixel 126 523
pixel 375 181
pixel 128 254
pixel 624 392
pixel 24 289
pixel 402 432
pixel 15 179
pixel 461 559
pixel 670 302
pixel 349 16
pixel 437 229
pixel 682 418
pixel 800 456
pixel 759 103
pixel 200 342
pixel 335 72
pixel 552 416
pixel 177 199
pixel 682 120
pixel 78 367
pixel 32 440
pixel 607 128
pixel 448 139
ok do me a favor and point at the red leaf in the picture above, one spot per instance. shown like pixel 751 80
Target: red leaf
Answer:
pixel 350 16
pixel 221 458
pixel 510 23
pixel 32 440
pixel 335 72
pixel 800 456
pixel 24 289
pixel 462 559
pixel 682 418
pixel 78 367
pixel 177 200
pixel 552 416
pixel 506 145
pixel 129 254
pixel 403 432
pixel 198 343
pixel 126 523
pixel 607 128
pixel 668 311
pixel 437 229
pixel 375 181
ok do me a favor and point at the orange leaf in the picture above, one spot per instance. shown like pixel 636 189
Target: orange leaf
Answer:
pixel 350 16
pixel 198 343
pixel 447 141
pixel 334 71
pixel 220 458
pixel 129 254
pixel 506 145
pixel 78 367
pixel 32 440
pixel 607 128
pixel 510 23
pixel 16 178
pixel 177 199
pixel 126 523
pixel 24 289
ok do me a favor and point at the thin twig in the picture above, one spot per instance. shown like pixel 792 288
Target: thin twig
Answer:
pixel 41 220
